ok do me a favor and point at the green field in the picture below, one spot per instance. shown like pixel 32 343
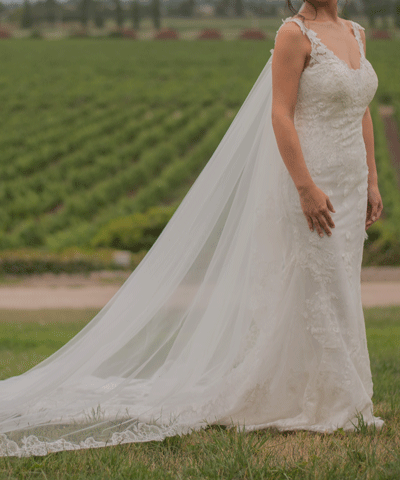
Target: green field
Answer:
pixel 28 337
pixel 96 129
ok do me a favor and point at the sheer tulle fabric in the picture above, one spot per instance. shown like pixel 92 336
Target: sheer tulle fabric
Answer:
pixel 160 357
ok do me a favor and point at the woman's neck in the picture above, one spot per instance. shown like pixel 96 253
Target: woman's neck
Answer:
pixel 326 11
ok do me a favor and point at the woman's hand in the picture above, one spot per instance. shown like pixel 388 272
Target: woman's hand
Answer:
pixel 316 207
pixel 375 205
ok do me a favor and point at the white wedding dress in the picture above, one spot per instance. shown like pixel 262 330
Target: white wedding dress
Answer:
pixel 238 315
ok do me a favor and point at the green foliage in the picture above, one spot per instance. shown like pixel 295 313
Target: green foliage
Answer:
pixel 135 232
pixel 119 13
pixel 27 18
pixel 99 15
pixel 85 7
pixel 115 34
pixel 374 9
pixel 135 13
pixel 156 13
pixel 239 8
pixel 397 14
pixel 36 33
pixel 350 9
pixel 221 8
pixel 184 8
pixel 26 261
pixel 383 244
pixel 51 10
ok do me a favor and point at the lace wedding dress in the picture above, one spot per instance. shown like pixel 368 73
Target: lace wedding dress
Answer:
pixel 238 315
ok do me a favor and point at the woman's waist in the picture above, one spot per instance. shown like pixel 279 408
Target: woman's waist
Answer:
pixel 340 163
pixel 331 152
pixel 339 133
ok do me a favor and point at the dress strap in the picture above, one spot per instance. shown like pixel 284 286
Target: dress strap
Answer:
pixel 306 31
pixel 356 28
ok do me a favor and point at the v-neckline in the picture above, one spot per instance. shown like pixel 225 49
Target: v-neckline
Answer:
pixel 333 53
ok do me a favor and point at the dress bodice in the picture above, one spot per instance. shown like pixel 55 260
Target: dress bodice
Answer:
pixel 331 102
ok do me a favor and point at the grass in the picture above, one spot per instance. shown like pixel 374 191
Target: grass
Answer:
pixel 29 336
pixel 217 453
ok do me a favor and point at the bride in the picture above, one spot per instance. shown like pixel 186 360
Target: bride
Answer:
pixel 247 309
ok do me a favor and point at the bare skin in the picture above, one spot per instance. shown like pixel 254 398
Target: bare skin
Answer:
pixel 291 56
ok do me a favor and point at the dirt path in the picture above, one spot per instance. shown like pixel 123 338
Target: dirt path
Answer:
pixel 380 287
pixel 38 298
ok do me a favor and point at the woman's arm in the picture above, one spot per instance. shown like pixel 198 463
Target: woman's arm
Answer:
pixel 290 53
pixel 368 133
pixel 375 205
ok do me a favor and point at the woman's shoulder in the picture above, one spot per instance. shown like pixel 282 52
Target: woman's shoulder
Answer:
pixel 291 40
pixel 290 37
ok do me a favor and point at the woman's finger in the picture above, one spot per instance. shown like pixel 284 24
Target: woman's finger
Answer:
pixel 310 223
pixel 324 224
pixel 329 220
pixel 374 212
pixel 330 206
pixel 318 226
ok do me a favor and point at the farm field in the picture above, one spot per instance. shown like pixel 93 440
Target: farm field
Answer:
pixel 92 130
pixel 216 452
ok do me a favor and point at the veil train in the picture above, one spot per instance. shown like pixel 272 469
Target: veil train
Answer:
pixel 172 350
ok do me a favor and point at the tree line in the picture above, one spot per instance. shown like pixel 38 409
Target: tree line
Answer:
pixel 97 11
pixel 51 11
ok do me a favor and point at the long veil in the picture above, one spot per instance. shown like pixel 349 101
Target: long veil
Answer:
pixel 171 352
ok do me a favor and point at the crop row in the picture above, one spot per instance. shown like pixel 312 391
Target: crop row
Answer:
pixel 82 206
pixel 40 153
pixel 138 174
pixel 67 140
pixel 99 160
pixel 168 187
pixel 19 129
